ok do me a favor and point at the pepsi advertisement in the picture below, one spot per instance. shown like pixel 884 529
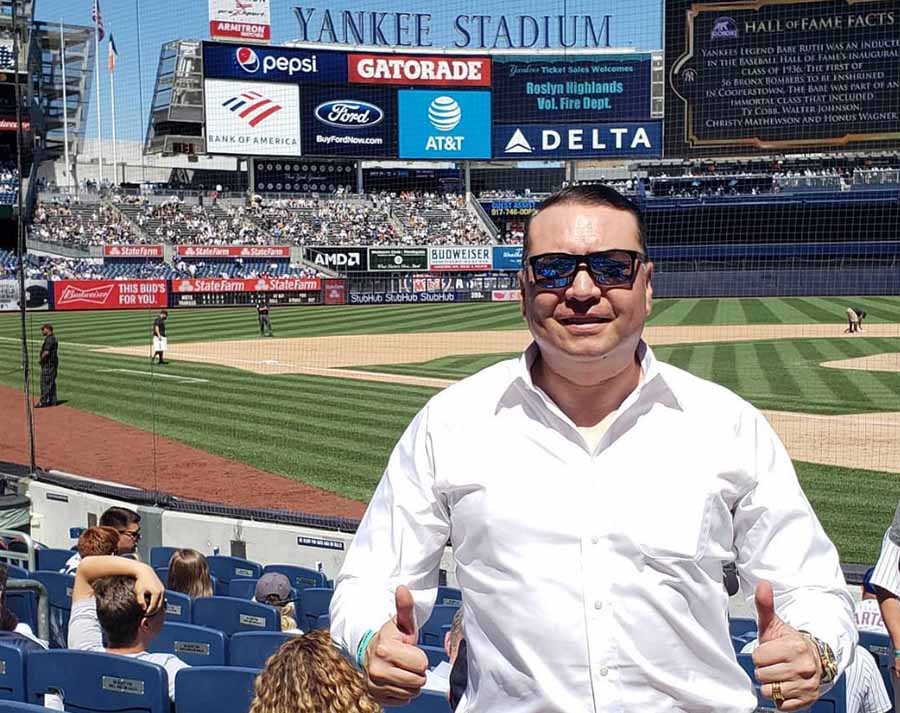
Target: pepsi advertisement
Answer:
pixel 273 64
pixel 561 141
pixel 349 121
pixel 819 75
pixel 444 124
pixel 547 89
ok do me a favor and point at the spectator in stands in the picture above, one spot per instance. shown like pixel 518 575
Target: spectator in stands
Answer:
pixel 93 542
pixel 614 488
pixel 274 589
pixel 12 631
pixel 127 523
pixel 885 580
pixel 868 612
pixel 308 675
pixel 189 574
pixel 124 601
pixel 438 678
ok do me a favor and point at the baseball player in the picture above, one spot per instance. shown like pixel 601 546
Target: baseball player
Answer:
pixel 886 582
pixel 49 364
pixel 855 317
pixel 868 613
pixel 262 313
pixel 160 343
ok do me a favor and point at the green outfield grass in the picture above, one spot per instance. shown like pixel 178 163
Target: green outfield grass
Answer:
pixel 337 434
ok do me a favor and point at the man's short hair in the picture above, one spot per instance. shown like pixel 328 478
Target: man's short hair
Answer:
pixel 119 518
pixel 102 540
pixel 591 194
pixel 47 325
pixel 165 312
pixel 118 610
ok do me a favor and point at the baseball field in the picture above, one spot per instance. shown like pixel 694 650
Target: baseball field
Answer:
pixel 326 399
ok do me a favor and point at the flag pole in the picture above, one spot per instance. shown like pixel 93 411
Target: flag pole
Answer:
pixel 112 99
pixel 65 113
pixel 99 107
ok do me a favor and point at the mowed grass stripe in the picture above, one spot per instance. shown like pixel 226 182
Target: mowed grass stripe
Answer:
pixel 780 379
pixel 756 311
pixel 703 312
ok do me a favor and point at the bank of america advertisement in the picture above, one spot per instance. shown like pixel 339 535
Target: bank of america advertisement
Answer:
pixel 252 118
pixel 236 20
pixel 442 124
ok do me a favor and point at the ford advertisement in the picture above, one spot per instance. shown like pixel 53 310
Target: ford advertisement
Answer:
pixel 351 122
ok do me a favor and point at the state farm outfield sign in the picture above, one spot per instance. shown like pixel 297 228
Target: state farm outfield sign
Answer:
pixel 460 258
pixel 233 251
pixel 240 20
pixel 109 294
pixel 127 251
pixel 262 284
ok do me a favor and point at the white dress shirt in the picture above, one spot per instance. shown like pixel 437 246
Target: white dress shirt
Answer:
pixel 592 579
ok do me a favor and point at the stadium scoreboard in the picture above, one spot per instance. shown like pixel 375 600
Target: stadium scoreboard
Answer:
pixel 291 102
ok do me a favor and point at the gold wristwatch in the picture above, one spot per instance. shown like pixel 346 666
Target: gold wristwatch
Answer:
pixel 827 661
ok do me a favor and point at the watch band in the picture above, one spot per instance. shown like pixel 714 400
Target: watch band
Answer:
pixel 827 661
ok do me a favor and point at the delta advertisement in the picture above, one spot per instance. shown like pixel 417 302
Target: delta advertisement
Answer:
pixel 599 140
pixel 258 118
pixel 109 294
pixel 233 251
pixel 567 90
pixel 133 251
pixel 37 295
pixel 445 125
pixel 261 284
pixel 240 20
pixel 349 121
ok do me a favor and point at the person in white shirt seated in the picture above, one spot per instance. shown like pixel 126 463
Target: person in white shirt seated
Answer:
pixel 124 600
pixel 868 612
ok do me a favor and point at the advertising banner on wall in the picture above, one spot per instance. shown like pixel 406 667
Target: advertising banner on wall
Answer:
pixel 445 124
pixel 285 176
pixel 273 64
pixel 413 70
pixel 235 20
pixel 349 121
pixel 259 284
pixel 506 295
pixel 252 118
pixel 387 259
pixel 233 251
pixel 37 295
pixel 109 294
pixel 334 292
pixel 469 257
pixel 510 209
pixel 132 251
pixel 340 259
pixel 558 141
pixel 507 257
pixel 381 298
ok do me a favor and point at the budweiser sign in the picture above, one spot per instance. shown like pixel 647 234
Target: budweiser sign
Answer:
pixel 110 294
pixel 260 284
pixel 411 70
pixel 233 251
pixel 128 251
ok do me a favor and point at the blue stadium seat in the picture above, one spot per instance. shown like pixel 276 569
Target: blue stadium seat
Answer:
pixel 16 572
pixel 250 649
pixel 242 588
pixel 51 560
pixel 435 655
pixel 301 577
pixel 449 595
pixel 162 573
pixel 178 607
pixel 426 702
pixel 223 689
pixel 160 556
pixel 12 674
pixel 24 605
pixel 313 603
pixel 98 683
pixel 17 707
pixel 195 645
pixel 227 568
pixel 322 622
pixel 739 626
pixel 231 615
pixel 879 645
pixel 59 588
pixel 431 634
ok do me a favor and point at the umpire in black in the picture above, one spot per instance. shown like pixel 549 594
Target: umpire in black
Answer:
pixel 49 364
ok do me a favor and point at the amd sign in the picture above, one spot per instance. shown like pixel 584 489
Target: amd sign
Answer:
pixel 340 259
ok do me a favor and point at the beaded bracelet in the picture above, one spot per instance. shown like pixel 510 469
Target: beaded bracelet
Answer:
pixel 363 644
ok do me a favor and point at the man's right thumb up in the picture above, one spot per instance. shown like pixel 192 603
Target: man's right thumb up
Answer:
pixel 406 615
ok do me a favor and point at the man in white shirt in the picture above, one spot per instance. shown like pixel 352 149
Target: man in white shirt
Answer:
pixel 886 582
pixel 125 600
pixel 591 495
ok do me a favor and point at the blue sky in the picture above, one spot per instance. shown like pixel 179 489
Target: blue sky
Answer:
pixel 635 23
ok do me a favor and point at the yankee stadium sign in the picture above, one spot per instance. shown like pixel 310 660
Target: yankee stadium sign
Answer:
pixel 413 29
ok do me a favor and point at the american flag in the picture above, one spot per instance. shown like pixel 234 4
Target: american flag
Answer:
pixel 98 19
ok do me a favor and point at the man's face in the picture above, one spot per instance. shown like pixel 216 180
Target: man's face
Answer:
pixel 128 538
pixel 582 323
pixel 45 331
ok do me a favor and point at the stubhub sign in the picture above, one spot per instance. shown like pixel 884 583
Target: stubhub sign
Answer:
pixel 442 124
pixel 595 140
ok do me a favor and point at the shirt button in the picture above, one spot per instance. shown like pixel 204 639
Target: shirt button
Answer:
pixel 598 604
pixel 594 539
pixel 604 671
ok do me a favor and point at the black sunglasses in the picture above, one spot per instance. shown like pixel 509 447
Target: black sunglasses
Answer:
pixel 607 268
